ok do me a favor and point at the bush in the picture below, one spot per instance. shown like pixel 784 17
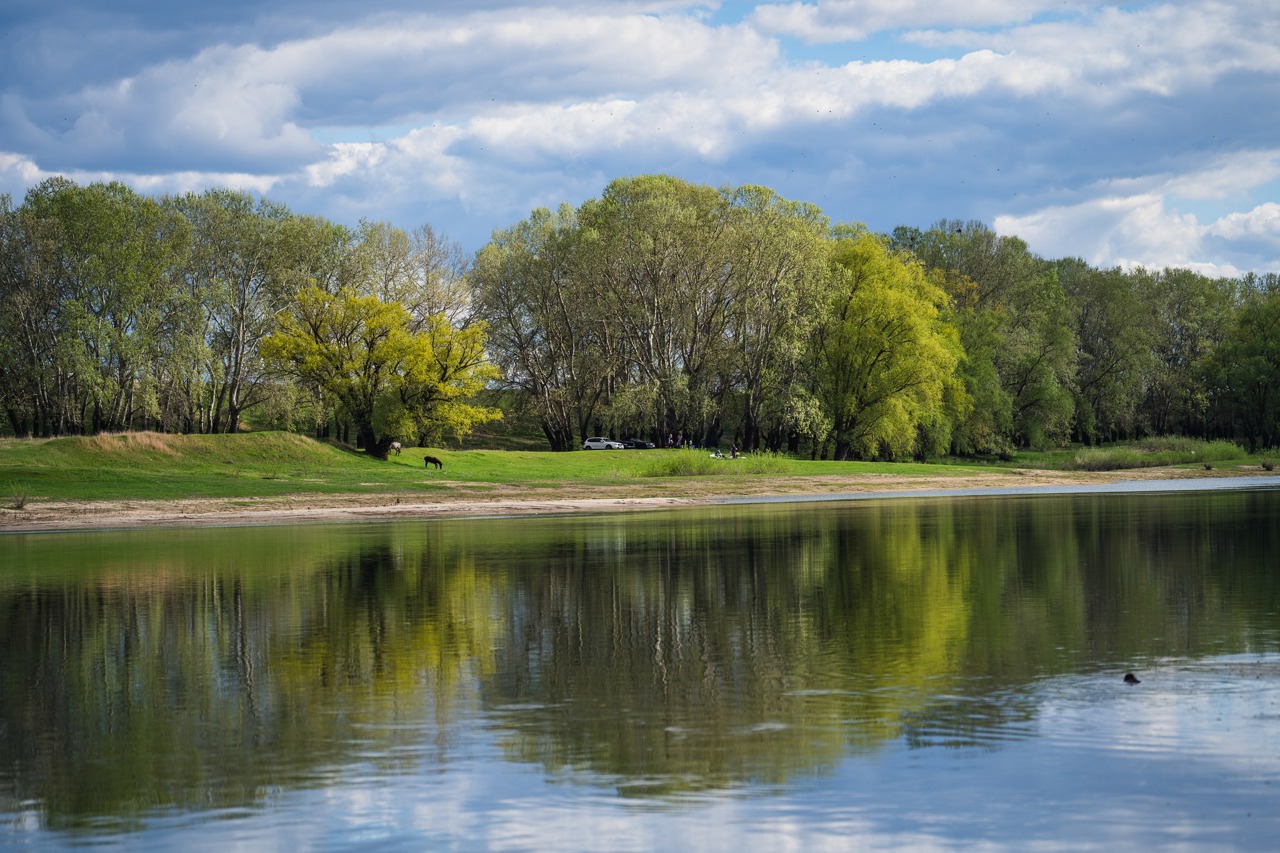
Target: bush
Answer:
pixel 701 463
pixel 1155 453
pixel 18 495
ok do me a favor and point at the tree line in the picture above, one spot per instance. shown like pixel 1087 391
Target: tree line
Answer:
pixel 661 308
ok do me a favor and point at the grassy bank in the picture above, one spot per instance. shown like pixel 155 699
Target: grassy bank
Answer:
pixel 150 466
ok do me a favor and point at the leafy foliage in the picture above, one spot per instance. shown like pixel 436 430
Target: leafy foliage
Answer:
pixel 390 381
pixel 883 355
pixel 663 307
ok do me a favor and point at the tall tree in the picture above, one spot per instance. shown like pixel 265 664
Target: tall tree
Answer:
pixel 546 332
pixel 1114 319
pixel 391 382
pixel 1016 332
pixel 110 258
pixel 240 274
pixel 1193 314
pixel 779 250
pixel 1245 369
pixel 883 355
pixel 661 259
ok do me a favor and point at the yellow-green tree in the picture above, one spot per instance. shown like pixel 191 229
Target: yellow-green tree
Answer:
pixel 884 357
pixel 391 382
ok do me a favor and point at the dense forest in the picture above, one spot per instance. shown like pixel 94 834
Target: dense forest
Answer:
pixel 660 308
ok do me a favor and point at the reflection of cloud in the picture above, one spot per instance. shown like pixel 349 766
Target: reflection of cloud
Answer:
pixel 1176 761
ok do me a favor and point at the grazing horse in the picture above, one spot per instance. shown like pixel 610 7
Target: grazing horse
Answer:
pixel 431 460
pixel 395 445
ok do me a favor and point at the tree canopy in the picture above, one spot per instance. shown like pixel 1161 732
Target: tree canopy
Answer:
pixel 390 381
pixel 662 308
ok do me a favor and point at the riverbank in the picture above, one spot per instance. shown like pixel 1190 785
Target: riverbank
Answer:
pixel 487 500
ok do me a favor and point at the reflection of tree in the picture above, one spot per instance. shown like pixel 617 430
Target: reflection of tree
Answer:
pixel 661 653
pixel 241 664
pixel 756 645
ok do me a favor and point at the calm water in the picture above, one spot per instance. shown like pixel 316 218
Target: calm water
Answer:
pixel 910 673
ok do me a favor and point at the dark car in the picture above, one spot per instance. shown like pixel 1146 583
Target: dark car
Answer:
pixel 638 444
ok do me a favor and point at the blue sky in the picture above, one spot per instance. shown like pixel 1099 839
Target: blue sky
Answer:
pixel 1125 134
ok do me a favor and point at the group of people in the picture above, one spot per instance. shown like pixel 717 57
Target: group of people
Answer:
pixel 677 441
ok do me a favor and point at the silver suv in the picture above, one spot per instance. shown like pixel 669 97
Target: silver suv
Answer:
pixel 599 443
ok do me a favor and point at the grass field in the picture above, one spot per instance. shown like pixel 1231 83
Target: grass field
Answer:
pixel 151 466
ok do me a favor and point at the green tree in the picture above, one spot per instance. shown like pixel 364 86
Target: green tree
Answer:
pixel 1114 319
pixel 1193 315
pixel 107 261
pixel 1244 370
pixel 883 356
pixel 779 251
pixel 390 382
pixel 239 274
pixel 1014 325
pixel 657 250
pixel 545 329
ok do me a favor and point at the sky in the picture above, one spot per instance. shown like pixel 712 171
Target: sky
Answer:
pixel 1126 134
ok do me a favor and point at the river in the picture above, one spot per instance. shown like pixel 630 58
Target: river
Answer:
pixel 936 671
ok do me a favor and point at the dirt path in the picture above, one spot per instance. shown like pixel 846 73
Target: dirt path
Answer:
pixel 470 500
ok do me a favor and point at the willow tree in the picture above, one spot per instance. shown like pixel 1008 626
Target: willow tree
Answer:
pixel 884 359
pixel 390 381
pixel 658 251
pixel 1016 328
pixel 240 273
pixel 546 330
pixel 779 252
pixel 101 264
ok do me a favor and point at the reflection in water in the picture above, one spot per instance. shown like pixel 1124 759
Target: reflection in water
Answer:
pixel 662 657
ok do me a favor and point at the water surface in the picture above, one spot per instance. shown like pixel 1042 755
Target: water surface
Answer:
pixel 921 672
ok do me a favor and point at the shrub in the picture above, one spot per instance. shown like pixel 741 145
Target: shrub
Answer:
pixel 1154 453
pixel 701 463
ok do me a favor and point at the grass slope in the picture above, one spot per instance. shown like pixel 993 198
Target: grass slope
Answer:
pixel 152 466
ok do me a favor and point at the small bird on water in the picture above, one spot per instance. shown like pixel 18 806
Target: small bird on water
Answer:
pixel 1130 678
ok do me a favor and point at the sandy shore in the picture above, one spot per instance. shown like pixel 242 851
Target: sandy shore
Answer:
pixel 475 500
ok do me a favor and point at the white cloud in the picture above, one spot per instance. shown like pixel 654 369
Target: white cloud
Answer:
pixel 1261 222
pixel 1136 223
pixel 1104 130
pixel 17 171
pixel 854 20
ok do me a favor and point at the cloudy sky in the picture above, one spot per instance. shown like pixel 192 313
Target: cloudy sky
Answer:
pixel 1127 133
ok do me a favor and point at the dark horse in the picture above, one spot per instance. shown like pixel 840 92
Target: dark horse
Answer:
pixel 431 460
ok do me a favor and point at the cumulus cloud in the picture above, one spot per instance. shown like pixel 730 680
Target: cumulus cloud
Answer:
pixel 1122 133
pixel 854 20
pixel 1132 223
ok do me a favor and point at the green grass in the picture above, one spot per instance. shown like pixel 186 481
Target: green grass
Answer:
pixel 1155 453
pixel 700 463
pixel 150 466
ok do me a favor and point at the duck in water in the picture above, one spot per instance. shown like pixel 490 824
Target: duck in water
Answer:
pixel 1130 678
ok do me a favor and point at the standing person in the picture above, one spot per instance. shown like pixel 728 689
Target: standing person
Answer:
pixel 733 451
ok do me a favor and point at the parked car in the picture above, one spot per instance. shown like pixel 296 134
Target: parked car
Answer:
pixel 638 444
pixel 599 443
